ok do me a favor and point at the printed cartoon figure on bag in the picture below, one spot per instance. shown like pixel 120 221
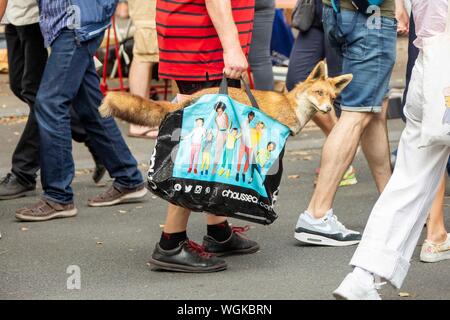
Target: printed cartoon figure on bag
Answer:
pixel 232 137
pixel 221 121
pixel 446 118
pixel 206 152
pixel 196 135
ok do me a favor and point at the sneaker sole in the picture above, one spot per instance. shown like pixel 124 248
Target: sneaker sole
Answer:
pixel 237 252
pixel 339 296
pixel 158 265
pixel 445 256
pixel 19 195
pixel 130 197
pixel 323 241
pixel 56 215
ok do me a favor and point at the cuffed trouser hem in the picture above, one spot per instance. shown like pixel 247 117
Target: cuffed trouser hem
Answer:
pixel 384 263
pixel 46 197
pixel 374 109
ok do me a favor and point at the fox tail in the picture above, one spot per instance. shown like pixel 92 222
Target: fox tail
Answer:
pixel 135 109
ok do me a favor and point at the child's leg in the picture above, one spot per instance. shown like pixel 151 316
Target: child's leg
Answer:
pixel 230 158
pixel 241 154
pixel 248 153
pixel 207 157
pixel 196 155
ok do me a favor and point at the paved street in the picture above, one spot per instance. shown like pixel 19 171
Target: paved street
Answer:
pixel 112 245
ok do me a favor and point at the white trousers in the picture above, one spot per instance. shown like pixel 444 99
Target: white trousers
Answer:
pixel 398 217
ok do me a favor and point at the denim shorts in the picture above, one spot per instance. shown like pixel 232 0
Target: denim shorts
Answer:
pixel 367 45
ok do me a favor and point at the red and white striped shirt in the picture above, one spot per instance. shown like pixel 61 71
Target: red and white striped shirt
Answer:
pixel 190 48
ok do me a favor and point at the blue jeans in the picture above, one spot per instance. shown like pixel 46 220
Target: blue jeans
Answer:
pixel 368 52
pixel 70 79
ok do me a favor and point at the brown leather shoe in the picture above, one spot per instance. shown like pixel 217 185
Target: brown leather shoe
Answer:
pixel 115 195
pixel 45 210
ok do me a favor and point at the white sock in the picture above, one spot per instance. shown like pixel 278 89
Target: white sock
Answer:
pixel 313 220
pixel 364 276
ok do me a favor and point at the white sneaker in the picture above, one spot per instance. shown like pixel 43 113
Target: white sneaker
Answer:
pixel 354 289
pixel 432 252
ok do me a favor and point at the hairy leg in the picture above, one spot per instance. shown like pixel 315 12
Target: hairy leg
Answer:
pixel 375 145
pixel 337 154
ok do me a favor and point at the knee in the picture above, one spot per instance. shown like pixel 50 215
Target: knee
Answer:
pixel 355 121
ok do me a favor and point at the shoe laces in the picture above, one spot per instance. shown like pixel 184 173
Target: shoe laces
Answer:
pixel 334 218
pixel 240 230
pixel 6 179
pixel 198 249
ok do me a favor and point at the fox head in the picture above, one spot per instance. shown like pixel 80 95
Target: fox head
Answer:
pixel 319 91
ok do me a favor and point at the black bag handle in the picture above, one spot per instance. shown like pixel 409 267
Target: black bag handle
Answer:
pixel 224 90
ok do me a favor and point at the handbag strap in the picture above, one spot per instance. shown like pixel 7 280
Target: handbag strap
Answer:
pixel 224 90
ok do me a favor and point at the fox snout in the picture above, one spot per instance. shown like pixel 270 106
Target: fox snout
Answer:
pixel 325 108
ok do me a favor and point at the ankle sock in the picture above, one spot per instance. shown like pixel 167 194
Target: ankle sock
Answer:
pixel 313 220
pixel 170 241
pixel 219 232
pixel 364 276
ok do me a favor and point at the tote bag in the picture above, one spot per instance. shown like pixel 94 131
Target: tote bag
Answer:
pixel 220 156
pixel 436 89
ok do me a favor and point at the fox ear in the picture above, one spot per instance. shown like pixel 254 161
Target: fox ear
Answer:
pixel 319 72
pixel 341 82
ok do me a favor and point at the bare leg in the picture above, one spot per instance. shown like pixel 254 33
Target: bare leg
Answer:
pixel 139 85
pixel 337 154
pixel 177 219
pixel 436 232
pixel 212 219
pixel 325 122
pixel 375 145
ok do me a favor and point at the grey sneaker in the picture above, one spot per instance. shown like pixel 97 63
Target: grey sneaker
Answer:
pixel 328 232
pixel 115 195
pixel 11 188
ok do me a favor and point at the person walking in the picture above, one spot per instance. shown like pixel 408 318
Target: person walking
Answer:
pixel 27 57
pixel 217 43
pixel 70 79
pixel 398 217
pixel 310 47
pixel 369 54
pixel 145 56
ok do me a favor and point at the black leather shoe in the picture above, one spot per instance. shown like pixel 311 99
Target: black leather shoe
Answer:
pixel 236 244
pixel 11 188
pixel 188 257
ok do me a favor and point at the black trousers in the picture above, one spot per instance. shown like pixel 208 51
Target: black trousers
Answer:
pixel 191 87
pixel 27 58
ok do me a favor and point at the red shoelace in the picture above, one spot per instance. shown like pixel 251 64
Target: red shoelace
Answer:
pixel 199 249
pixel 240 230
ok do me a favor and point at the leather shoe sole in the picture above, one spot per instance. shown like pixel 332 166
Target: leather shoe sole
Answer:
pixel 159 265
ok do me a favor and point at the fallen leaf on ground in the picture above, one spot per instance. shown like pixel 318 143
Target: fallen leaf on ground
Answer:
pixel 404 294
pixel 294 176
pixel 24 229
pixel 99 243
